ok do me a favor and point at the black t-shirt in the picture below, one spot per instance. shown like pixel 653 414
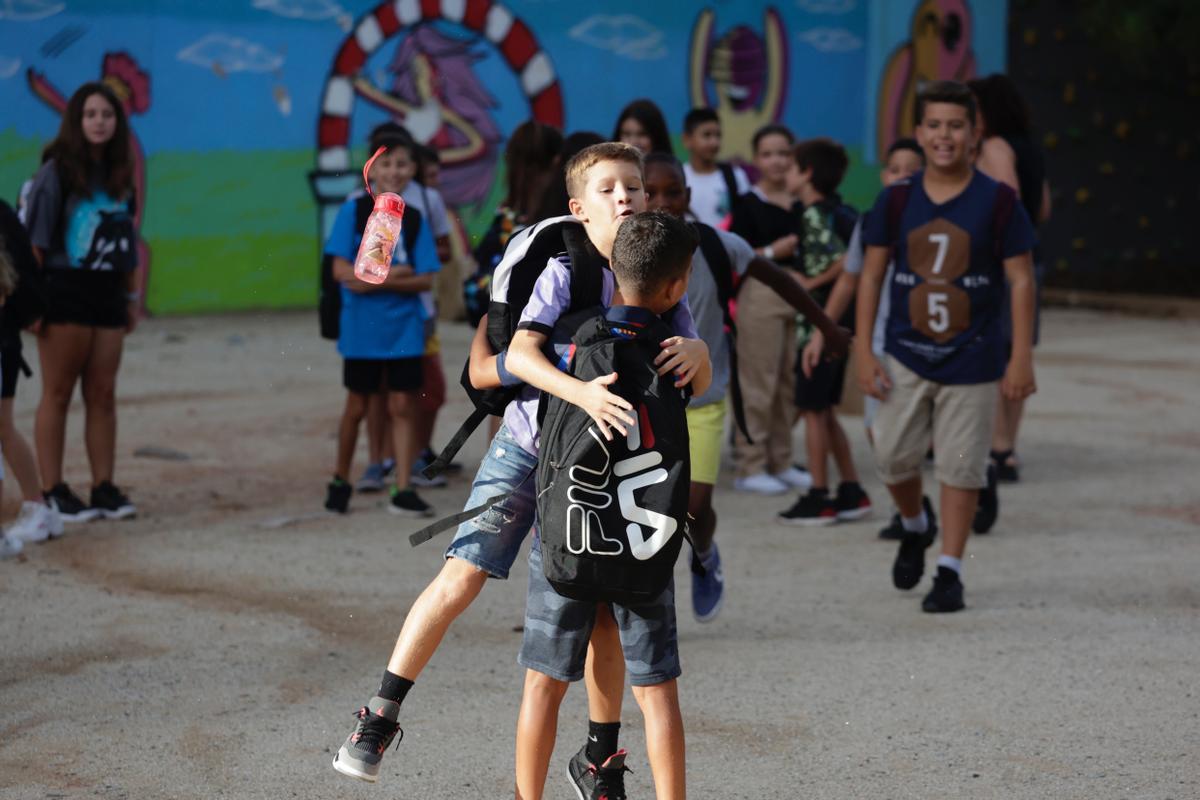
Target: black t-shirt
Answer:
pixel 1031 173
pixel 16 244
pixel 760 223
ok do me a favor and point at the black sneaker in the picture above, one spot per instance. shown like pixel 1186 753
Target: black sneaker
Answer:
pixel 605 782
pixel 337 495
pixel 68 505
pixel 813 508
pixel 363 749
pixel 407 503
pixel 110 503
pixel 895 529
pixel 989 504
pixel 1005 472
pixel 851 502
pixel 910 558
pixel 946 596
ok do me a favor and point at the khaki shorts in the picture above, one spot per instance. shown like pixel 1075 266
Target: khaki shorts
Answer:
pixel 956 420
pixel 706 431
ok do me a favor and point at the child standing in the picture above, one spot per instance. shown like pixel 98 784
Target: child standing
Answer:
pixel 957 236
pixel 666 190
pixel 767 338
pixel 382 334
pixel 826 225
pixel 651 259
pixel 713 185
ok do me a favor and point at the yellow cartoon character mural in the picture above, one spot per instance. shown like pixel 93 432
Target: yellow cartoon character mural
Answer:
pixel 748 75
pixel 940 49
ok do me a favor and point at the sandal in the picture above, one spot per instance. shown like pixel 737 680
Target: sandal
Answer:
pixel 1006 465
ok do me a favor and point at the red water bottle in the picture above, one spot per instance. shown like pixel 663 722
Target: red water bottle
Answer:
pixel 382 232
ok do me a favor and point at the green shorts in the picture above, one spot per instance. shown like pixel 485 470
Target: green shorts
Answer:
pixel 706 432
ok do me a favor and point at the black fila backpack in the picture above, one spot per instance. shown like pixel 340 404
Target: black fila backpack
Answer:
pixel 612 515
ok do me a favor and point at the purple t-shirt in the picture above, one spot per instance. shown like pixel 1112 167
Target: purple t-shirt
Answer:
pixel 550 299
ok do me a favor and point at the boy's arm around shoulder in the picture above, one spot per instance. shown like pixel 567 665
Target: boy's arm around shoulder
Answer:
pixel 483 365
pixel 837 340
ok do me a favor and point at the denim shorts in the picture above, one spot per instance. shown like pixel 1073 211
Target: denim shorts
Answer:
pixel 557 631
pixel 492 540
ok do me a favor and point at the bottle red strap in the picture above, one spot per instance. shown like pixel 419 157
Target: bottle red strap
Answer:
pixel 367 168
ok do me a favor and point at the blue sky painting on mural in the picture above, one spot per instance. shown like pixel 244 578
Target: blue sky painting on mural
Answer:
pixel 242 83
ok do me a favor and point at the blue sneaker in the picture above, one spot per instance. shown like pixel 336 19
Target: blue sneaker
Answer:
pixel 372 479
pixel 709 589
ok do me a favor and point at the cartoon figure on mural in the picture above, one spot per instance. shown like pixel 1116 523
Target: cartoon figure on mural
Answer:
pixel 130 83
pixel 748 76
pixel 940 49
pixel 436 94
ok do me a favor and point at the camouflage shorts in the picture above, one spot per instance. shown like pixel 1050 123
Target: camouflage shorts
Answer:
pixel 557 630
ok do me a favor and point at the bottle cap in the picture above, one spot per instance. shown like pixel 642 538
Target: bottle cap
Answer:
pixel 390 203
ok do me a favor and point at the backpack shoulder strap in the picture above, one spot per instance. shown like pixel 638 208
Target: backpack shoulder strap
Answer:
pixel 410 228
pixel 730 180
pixel 717 258
pixel 896 203
pixel 1002 211
pixel 587 275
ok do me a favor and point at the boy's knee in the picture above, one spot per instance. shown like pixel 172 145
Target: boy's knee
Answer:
pixel 356 405
pixel 658 694
pixel 459 582
pixel 400 404
pixel 540 687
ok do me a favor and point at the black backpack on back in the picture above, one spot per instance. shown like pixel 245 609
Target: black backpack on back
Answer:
pixel 329 302
pixel 612 515
pixel 525 257
pixel 28 301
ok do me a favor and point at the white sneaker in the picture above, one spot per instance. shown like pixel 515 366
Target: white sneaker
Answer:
pixel 762 483
pixel 55 521
pixel 10 545
pixel 795 477
pixel 33 524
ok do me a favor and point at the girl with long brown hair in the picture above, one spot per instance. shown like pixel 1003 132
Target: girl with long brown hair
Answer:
pixel 80 220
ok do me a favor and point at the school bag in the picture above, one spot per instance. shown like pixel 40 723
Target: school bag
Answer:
pixel 329 302
pixel 527 254
pixel 730 179
pixel 717 258
pixel 28 301
pixel 612 515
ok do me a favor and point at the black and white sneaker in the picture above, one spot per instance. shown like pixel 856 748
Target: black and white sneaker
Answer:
pixel 407 503
pixel 605 782
pixel 988 508
pixel 69 506
pixel 360 754
pixel 815 507
pixel 909 565
pixel 109 502
pixel 851 502
pixel 946 596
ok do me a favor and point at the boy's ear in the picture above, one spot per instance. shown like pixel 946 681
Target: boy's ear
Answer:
pixel 576 209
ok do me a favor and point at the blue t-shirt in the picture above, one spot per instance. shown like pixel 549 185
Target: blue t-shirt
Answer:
pixel 381 325
pixel 947 290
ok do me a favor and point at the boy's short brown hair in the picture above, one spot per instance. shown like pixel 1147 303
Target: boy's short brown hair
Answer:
pixel 651 249
pixel 953 92
pixel 826 158
pixel 577 168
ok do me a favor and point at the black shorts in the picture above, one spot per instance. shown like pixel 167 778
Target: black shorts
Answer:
pixel 86 297
pixel 824 389
pixel 12 364
pixel 368 375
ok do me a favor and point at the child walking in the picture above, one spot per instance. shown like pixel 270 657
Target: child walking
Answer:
pixel 957 236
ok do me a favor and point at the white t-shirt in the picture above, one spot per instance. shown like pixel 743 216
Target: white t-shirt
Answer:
pixel 711 203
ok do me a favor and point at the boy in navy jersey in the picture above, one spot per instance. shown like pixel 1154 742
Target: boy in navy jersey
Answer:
pixel 956 236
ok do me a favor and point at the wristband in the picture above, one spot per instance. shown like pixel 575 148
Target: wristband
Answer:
pixel 769 253
pixel 506 378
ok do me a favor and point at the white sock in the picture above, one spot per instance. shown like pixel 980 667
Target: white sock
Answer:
pixel 951 562
pixel 917 524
